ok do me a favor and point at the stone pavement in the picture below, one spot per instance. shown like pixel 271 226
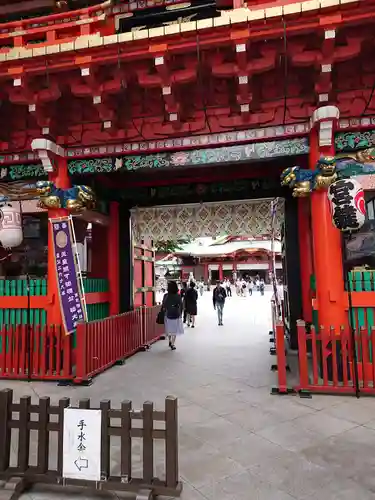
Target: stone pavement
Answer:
pixel 237 442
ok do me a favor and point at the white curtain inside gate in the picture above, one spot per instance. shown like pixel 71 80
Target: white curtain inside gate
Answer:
pixel 251 218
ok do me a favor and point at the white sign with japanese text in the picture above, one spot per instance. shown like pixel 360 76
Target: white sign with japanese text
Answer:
pixel 82 444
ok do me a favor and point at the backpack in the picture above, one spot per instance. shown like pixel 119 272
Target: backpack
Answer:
pixel 173 307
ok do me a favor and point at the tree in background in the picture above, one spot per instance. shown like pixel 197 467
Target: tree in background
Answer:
pixel 170 246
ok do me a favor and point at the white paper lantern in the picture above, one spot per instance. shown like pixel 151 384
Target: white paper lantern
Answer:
pixel 348 208
pixel 10 226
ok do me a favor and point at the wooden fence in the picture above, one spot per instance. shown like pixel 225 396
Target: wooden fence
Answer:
pixel 28 458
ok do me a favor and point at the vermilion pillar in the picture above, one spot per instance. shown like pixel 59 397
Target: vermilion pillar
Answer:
pixel 55 163
pixel 114 259
pixel 327 250
pixel 60 177
pixel 306 262
pixel 221 275
pixel 205 272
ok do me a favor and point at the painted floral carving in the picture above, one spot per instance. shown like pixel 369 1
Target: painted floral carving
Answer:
pixel 351 141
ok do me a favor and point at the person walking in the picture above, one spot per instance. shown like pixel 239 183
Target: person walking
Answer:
pixel 172 308
pixel 183 294
pixel 228 288
pixel 243 288
pixel 238 286
pixel 250 287
pixel 201 288
pixel 191 298
pixel 218 298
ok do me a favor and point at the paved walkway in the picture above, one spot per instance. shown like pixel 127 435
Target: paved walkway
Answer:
pixel 236 441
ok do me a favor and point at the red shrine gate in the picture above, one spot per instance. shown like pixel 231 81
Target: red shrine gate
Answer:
pixel 144 273
pixel 247 217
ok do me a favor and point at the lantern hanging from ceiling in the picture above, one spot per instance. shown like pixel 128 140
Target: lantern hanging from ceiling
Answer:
pixel 347 201
pixel 10 225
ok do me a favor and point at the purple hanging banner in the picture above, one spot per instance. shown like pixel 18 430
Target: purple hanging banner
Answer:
pixel 71 301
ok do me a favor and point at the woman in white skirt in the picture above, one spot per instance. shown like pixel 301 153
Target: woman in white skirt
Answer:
pixel 172 307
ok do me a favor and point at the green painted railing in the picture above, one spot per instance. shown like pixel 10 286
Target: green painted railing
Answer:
pixel 362 281
pixel 362 317
pixel 356 281
pixel 22 316
pixel 18 288
pixel 101 310
pixel 95 285
pixel 97 311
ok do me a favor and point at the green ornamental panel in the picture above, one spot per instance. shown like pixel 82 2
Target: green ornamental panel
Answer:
pixel 353 141
pixel 192 158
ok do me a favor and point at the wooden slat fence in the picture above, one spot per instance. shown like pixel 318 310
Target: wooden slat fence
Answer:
pixel 19 469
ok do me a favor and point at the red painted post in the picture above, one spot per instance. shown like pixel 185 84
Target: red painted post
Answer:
pixel 81 367
pixel 327 251
pixel 114 260
pixel 281 359
pixel 60 177
pixel 302 356
pixel 305 249
pixel 221 275
pixel 325 352
pixel 364 341
pixel 205 272
pixel 345 354
pixel 315 358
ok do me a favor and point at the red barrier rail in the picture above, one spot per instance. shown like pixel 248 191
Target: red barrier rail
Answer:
pixel 326 360
pixel 152 332
pixel 282 366
pixel 101 344
pixel 274 316
pixel 46 353
pixel 35 353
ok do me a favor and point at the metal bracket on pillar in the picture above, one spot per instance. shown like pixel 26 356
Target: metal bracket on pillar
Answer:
pixel 46 151
pixel 325 117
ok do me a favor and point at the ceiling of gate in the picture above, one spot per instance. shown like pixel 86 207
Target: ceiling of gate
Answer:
pixel 251 218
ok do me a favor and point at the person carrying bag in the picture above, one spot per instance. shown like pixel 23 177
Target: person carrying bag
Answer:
pixel 171 314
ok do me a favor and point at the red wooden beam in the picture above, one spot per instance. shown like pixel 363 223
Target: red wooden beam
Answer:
pixel 96 297
pixel 41 302
pixel 21 302
pixel 362 299
pixel 208 39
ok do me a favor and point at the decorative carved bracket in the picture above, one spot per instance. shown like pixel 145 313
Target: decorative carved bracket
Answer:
pixel 46 151
pixel 325 117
